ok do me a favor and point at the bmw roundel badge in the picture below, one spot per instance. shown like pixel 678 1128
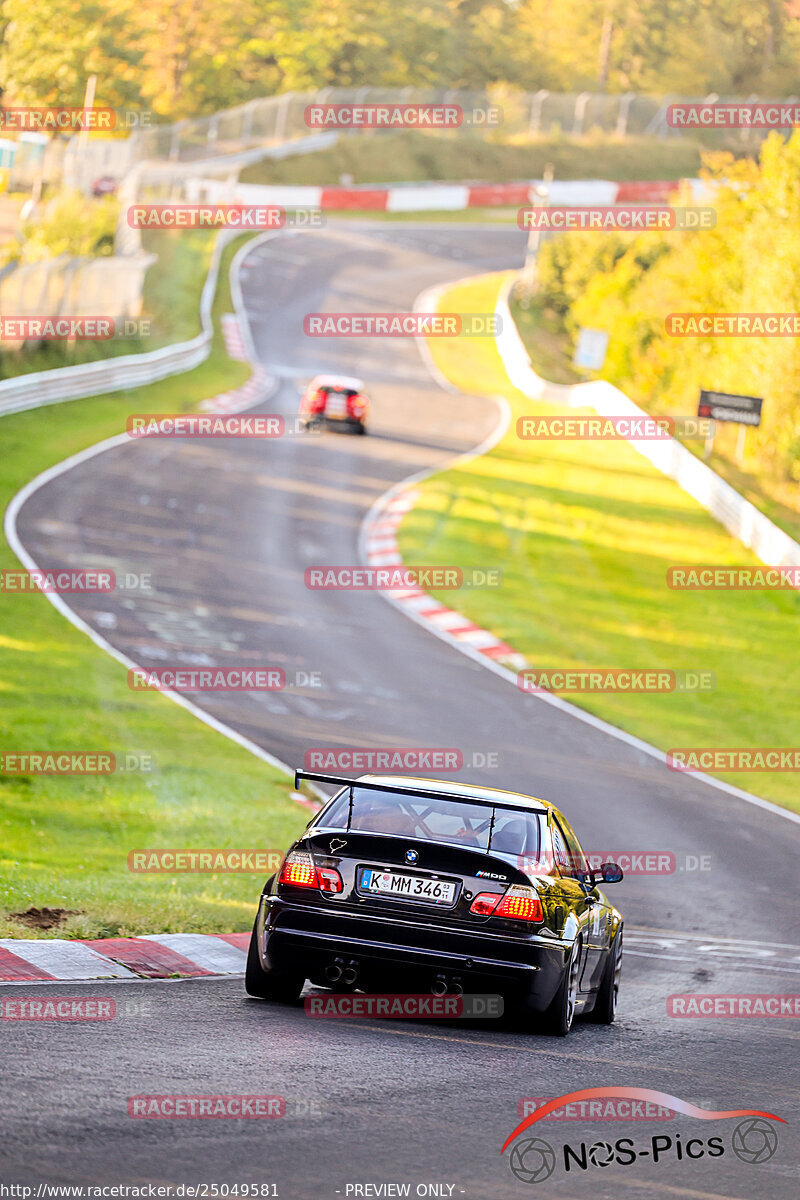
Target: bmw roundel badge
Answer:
pixel 411 856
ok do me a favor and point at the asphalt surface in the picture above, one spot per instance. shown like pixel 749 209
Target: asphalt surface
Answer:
pixel 227 528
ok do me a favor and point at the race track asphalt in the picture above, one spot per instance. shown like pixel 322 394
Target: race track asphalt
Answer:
pixel 227 529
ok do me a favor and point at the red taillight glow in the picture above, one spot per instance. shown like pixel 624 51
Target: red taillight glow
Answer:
pixel 518 904
pixel 357 403
pixel 299 871
pixel 317 402
pixel 329 879
pixel 521 904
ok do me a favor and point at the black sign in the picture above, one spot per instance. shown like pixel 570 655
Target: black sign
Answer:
pixel 721 406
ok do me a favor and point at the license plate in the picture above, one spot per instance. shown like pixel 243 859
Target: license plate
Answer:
pixel 407 887
pixel 336 405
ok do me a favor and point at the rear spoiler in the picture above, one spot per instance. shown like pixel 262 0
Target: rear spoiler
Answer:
pixel 428 793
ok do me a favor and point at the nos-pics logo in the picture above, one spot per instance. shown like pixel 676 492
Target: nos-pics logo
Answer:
pixel 533 1159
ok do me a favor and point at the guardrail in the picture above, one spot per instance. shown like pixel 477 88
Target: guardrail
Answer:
pixel 126 371
pixel 741 518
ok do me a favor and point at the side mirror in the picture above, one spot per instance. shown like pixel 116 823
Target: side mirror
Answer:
pixel 610 872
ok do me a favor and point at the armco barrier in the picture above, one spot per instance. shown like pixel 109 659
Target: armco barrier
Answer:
pixel 114 374
pixel 739 516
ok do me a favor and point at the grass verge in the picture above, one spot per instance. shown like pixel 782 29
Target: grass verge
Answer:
pixel 550 348
pixel 411 156
pixel 584 533
pixel 64 840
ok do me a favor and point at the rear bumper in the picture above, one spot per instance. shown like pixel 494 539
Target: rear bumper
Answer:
pixel 306 939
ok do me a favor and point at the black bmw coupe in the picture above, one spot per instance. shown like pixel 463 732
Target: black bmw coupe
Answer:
pixel 422 885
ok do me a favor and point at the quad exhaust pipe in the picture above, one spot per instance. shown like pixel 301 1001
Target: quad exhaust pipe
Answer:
pixel 350 973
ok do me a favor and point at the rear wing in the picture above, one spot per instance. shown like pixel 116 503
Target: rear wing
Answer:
pixel 428 793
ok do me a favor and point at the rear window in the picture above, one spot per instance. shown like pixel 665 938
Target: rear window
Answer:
pixel 431 819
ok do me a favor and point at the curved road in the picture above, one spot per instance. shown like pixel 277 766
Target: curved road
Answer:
pixel 227 530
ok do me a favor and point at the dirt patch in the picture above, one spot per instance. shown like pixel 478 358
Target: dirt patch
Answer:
pixel 44 918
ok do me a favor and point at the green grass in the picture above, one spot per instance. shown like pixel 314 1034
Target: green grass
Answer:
pixel 549 346
pixel 408 156
pixel 64 841
pixel 550 349
pixel 584 533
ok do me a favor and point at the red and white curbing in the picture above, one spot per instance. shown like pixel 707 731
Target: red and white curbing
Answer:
pixel 441 197
pixel 151 956
pixel 234 341
pixel 380 550
pixel 242 397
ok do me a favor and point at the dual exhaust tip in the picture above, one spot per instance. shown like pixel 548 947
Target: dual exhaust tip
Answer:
pixel 340 971
pixel 347 973
pixel 442 985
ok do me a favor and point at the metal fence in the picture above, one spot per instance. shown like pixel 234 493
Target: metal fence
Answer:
pixel 277 119
pixel 274 121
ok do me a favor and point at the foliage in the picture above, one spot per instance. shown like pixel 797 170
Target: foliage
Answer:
pixel 186 57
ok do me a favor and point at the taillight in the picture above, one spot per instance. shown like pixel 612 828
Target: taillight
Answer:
pixel 518 904
pixel 317 402
pixel 356 404
pixel 521 904
pixel 329 879
pixel 298 870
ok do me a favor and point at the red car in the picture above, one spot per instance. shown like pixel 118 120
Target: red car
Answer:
pixel 337 401
pixel 105 185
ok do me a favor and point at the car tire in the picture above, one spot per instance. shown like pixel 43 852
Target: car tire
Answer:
pixel 605 1006
pixel 559 1016
pixel 268 985
pixel 362 429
